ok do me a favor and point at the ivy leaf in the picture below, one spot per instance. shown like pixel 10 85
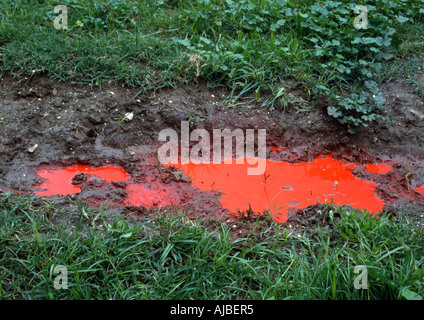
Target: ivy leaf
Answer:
pixel 334 112
pixel 277 25
pixel 402 19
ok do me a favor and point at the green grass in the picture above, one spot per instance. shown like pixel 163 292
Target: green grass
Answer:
pixel 248 46
pixel 251 47
pixel 169 256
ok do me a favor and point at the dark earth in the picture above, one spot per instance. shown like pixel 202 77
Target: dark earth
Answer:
pixel 78 124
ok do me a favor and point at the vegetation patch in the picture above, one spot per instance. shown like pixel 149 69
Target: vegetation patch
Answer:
pixel 171 256
pixel 252 47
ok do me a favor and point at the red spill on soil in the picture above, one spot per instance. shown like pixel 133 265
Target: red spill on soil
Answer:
pixel 378 168
pixel 58 180
pixel 285 185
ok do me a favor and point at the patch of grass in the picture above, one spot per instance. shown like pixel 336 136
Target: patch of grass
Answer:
pixel 170 256
pixel 248 46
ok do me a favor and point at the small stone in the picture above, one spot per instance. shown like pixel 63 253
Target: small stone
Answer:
pixel 132 153
pixel 120 184
pixel 129 116
pixel 180 176
pixel 57 102
pixel 95 118
pixel 411 114
pixel 37 202
pixel 79 178
pixel 32 149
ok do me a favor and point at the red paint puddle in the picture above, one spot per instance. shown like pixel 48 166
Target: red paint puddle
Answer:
pixel 58 180
pixel 421 190
pixel 380 168
pixel 285 185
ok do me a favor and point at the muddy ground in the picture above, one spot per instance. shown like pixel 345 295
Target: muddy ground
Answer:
pixel 76 124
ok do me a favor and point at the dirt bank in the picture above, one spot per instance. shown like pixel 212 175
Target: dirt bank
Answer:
pixel 75 124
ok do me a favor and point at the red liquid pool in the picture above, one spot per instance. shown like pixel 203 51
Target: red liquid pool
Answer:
pixel 421 190
pixel 285 185
pixel 380 168
pixel 58 180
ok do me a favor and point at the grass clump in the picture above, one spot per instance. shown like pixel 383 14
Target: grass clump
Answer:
pixel 170 256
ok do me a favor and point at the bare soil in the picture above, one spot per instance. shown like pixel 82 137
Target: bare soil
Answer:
pixel 76 124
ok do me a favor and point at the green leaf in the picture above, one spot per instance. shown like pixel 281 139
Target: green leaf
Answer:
pixel 402 19
pixel 127 235
pixel 205 40
pixel 410 295
pixel 75 293
pixel 323 88
pixel 334 112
